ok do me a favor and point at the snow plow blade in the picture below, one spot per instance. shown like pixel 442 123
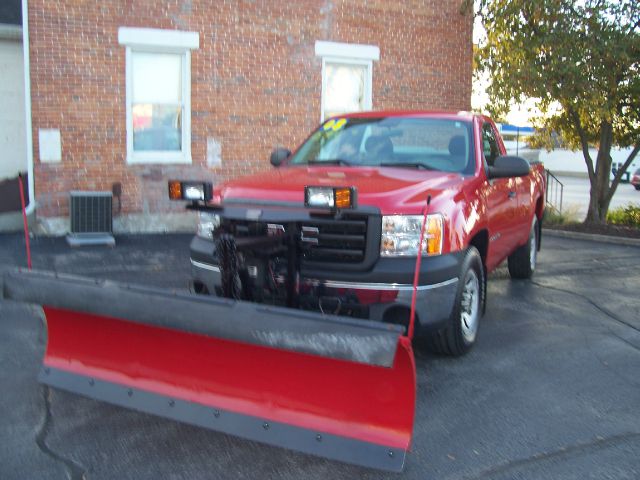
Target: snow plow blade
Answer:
pixel 330 386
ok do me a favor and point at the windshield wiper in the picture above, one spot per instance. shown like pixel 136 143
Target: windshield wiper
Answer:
pixel 330 161
pixel 418 165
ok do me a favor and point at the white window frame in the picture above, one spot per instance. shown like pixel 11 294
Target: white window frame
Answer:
pixel 348 54
pixel 151 40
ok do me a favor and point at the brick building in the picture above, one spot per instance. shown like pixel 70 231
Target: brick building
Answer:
pixel 133 93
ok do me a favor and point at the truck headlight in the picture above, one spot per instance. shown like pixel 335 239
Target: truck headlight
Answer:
pixel 207 223
pixel 401 235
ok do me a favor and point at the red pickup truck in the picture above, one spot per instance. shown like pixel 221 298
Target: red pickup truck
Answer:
pixel 395 218
pixel 335 226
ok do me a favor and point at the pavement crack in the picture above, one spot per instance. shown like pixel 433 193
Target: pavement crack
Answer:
pixel 596 444
pixel 608 327
pixel 602 309
pixel 75 471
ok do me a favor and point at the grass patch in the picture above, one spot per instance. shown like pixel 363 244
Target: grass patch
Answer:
pixel 628 216
pixel 569 215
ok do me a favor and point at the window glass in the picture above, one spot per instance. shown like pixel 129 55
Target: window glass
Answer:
pixel 489 144
pixel 157 101
pixel 420 143
pixel 345 88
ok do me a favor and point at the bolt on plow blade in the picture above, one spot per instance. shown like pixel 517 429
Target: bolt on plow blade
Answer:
pixel 325 385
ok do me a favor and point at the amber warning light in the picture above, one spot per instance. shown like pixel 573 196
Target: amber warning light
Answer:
pixel 194 191
pixel 335 198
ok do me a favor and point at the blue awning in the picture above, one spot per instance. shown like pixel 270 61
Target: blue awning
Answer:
pixel 506 128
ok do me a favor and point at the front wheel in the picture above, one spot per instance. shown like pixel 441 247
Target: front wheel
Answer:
pixel 461 330
pixel 522 262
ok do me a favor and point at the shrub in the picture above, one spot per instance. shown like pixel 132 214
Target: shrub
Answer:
pixel 628 216
pixel 553 217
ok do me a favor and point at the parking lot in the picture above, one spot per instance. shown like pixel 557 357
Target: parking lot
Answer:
pixel 552 390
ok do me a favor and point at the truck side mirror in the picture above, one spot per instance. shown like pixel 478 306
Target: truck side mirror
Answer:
pixel 508 166
pixel 279 155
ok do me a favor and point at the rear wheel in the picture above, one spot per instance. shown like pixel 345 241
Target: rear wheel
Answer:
pixel 637 186
pixel 522 262
pixel 461 330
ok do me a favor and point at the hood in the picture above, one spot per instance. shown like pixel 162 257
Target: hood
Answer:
pixel 392 190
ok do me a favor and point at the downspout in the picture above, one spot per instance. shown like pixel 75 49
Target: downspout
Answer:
pixel 27 106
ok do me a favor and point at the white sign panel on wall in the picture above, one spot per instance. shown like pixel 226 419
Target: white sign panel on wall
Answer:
pixel 50 145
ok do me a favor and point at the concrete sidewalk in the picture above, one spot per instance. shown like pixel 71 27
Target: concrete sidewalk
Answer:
pixel 551 390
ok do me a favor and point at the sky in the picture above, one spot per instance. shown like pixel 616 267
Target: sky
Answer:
pixel 520 114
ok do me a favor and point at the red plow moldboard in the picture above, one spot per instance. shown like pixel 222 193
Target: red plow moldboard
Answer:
pixel 330 386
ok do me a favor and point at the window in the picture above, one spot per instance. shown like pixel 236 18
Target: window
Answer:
pixel 156 101
pixel 406 142
pixel 346 77
pixel 489 144
pixel 158 79
pixel 344 88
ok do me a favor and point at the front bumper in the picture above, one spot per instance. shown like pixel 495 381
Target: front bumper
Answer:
pixel 384 293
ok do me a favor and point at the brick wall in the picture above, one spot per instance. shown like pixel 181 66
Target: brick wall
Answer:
pixel 255 81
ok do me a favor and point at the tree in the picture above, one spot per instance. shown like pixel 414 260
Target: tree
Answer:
pixel 580 60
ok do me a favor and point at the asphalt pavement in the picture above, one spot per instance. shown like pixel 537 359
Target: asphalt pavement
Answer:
pixel 552 389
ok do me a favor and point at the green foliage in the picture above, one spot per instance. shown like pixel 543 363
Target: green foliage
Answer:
pixel 584 56
pixel 629 216
pixel 547 139
pixel 580 61
pixel 554 217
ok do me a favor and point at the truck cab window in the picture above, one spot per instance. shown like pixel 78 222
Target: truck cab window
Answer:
pixel 489 144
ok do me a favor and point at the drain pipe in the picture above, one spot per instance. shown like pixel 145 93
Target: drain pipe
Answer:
pixel 24 221
pixel 27 106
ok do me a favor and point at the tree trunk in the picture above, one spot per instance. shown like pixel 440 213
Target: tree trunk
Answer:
pixel 598 208
pixel 600 199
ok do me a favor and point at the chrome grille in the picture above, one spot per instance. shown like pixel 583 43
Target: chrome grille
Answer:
pixel 330 240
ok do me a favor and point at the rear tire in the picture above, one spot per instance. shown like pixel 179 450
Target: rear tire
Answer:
pixel 637 186
pixel 459 334
pixel 522 262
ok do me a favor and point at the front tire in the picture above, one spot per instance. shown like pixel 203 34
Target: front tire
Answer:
pixel 459 334
pixel 522 262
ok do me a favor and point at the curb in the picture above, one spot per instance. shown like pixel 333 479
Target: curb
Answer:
pixel 634 242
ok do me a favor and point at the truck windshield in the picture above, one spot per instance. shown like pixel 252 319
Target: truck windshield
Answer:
pixel 418 143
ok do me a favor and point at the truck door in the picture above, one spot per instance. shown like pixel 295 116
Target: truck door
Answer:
pixel 502 204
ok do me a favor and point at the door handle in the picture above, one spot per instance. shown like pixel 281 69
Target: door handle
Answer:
pixel 512 194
